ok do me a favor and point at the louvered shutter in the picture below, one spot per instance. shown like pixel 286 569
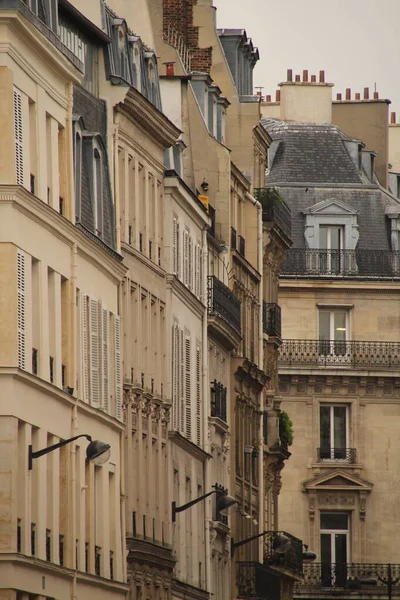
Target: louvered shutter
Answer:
pixel 94 350
pixel 174 246
pixel 198 396
pixel 181 384
pixel 201 272
pixel 185 257
pixel 178 251
pixel 188 391
pixel 198 270
pixel 190 263
pixel 21 283
pixel 19 138
pixel 117 368
pixel 105 359
pixel 85 348
pixel 175 376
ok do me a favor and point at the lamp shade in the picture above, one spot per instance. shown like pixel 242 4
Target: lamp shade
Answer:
pixel 281 543
pixel 309 556
pixel 98 452
pixel 226 504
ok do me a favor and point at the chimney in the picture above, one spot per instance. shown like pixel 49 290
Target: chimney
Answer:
pixel 169 69
pixel 366 93
pixel 305 99
pixel 357 96
pixel 376 95
pixel 268 98
pixel 278 96
pixel 339 97
pixel 348 93
pixel 393 117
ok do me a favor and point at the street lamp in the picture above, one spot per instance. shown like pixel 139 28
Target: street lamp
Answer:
pixel 389 581
pixel 97 452
pixel 308 555
pixel 280 545
pixel 225 504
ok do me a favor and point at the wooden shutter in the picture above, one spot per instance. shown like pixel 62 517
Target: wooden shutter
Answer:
pixel 186 257
pixel 175 376
pixel 198 396
pixel 21 284
pixel 117 368
pixel 85 348
pixel 188 390
pixel 181 384
pixel 94 351
pixel 19 138
pixel 105 359
pixel 178 250
pixel 198 266
pixel 190 263
pixel 174 245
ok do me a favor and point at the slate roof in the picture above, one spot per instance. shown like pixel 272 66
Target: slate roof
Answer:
pixel 309 153
pixel 316 154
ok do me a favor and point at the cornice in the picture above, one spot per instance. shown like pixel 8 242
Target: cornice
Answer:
pixel 185 590
pixel 150 118
pixel 221 330
pixel 129 253
pixel 188 446
pixel 185 295
pixel 150 554
pixel 245 370
pixel 186 199
pixel 237 173
pixel 61 228
pixel 246 265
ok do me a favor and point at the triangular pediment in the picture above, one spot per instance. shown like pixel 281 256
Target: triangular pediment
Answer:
pixel 337 480
pixel 330 207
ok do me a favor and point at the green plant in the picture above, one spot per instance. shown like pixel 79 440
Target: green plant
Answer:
pixel 267 196
pixel 285 429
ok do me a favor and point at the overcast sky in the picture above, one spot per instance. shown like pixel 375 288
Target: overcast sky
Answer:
pixel 356 42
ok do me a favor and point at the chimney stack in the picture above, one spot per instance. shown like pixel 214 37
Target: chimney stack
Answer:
pixel 305 98
pixel 169 69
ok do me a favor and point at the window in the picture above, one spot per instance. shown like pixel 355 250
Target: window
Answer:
pixel 21 309
pixel 331 242
pixel 335 539
pixel 78 172
pixel 334 333
pixel 97 193
pixel 334 431
pixel 19 137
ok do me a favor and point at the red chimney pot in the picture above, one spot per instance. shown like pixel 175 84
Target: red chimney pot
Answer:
pixel 305 75
pixel 313 79
pixel 348 93
pixel 338 96
pixel 289 75
pixel 278 96
pixel 322 76
pixel 366 93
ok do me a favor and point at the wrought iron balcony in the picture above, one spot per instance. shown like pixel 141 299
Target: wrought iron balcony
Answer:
pixel 218 400
pixel 331 353
pixel 258 581
pixel 292 559
pixel 222 302
pixel 275 209
pixel 242 246
pixel 272 319
pixel 342 454
pixel 350 576
pixel 341 263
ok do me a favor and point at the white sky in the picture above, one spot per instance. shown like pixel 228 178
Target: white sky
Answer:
pixel 356 42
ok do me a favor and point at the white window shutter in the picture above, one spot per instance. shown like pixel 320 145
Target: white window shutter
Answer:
pixel 181 384
pixel 188 390
pixel 178 250
pixel 94 350
pixel 201 272
pixel 174 245
pixel 85 348
pixel 198 396
pixel 21 285
pixel 19 137
pixel 190 263
pixel 175 376
pixel 105 359
pixel 198 271
pixel 117 367
pixel 185 257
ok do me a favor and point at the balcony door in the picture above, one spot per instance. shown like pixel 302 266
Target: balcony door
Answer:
pixel 333 431
pixel 333 334
pixel 331 243
pixel 335 540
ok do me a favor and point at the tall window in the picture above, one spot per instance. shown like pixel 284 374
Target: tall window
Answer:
pixel 19 137
pixel 335 545
pixel 331 241
pixel 334 431
pixel 333 332
pixel 98 193
pixel 78 173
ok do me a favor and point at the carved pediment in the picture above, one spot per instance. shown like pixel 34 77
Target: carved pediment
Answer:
pixel 330 207
pixel 337 480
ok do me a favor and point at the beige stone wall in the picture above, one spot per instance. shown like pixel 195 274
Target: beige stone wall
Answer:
pixel 306 102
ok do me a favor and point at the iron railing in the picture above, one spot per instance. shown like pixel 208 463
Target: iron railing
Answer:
pixel 233 238
pixel 218 400
pixel 222 302
pixel 331 353
pixel 172 36
pixel 255 580
pixel 350 576
pixel 341 263
pixel 277 211
pixel 292 559
pixel 242 246
pixel 344 454
pixel 272 321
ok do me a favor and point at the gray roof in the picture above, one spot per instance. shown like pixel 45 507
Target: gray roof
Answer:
pixel 310 153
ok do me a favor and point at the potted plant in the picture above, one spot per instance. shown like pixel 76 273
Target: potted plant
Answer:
pixel 285 429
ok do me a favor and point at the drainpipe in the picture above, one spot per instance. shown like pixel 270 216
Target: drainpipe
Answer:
pixel 260 366
pixel 206 443
pixel 117 175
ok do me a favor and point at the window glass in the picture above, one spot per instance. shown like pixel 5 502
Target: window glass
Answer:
pixel 331 520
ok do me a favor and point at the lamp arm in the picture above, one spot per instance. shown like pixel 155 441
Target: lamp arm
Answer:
pixel 44 451
pixel 247 540
pixel 177 509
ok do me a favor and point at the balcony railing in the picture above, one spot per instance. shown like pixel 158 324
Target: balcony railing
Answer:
pixel 242 246
pixel 342 454
pixel 292 559
pixel 272 319
pixel 233 239
pixel 341 263
pixel 255 580
pixel 218 400
pixel 211 214
pixel 331 353
pixel 350 576
pixel 276 210
pixel 222 302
